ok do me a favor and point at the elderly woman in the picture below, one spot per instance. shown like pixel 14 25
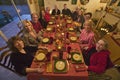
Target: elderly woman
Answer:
pixel 87 36
pixel 44 18
pixel 101 66
pixel 22 56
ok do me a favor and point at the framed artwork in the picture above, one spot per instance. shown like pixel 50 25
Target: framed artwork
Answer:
pixel 73 1
pixel 104 1
pixel 62 0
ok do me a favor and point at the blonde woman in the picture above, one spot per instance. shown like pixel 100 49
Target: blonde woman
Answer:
pixel 30 37
pixel 87 35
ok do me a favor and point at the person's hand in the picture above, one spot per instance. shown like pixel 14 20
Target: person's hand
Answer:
pixel 86 47
pixel 40 70
pixel 86 66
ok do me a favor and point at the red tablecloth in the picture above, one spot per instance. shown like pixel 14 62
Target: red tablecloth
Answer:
pixel 71 74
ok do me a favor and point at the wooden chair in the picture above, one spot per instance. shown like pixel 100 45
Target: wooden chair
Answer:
pixel 117 65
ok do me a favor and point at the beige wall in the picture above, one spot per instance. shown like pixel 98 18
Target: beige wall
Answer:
pixel 33 6
pixel 91 6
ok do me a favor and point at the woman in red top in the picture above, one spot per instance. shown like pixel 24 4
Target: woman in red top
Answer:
pixel 44 18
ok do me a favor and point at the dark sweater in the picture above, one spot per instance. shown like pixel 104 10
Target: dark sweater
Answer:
pixel 66 12
pixel 54 12
pixel 22 61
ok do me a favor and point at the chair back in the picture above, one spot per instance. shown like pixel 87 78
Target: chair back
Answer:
pixel 5 61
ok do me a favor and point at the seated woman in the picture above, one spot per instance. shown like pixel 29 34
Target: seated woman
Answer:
pixel 22 56
pixel 44 18
pixel 30 37
pixel 88 17
pixel 100 61
pixel 87 36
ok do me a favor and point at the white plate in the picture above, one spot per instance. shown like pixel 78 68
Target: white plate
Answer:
pixel 60 65
pixel 40 56
pixel 45 40
pixel 76 57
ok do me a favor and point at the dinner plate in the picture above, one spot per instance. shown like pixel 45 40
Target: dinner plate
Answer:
pixel 50 22
pixel 76 57
pixel 60 66
pixel 71 29
pixel 49 29
pixel 73 38
pixel 40 57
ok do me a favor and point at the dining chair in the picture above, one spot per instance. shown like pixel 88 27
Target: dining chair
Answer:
pixel 5 58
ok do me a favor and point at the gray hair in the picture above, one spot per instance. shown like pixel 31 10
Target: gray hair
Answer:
pixel 106 43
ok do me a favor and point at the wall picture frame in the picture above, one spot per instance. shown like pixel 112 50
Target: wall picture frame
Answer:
pixel 73 2
pixel 62 0
pixel 104 1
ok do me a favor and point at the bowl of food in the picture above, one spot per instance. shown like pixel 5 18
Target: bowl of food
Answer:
pixel 71 29
pixel 45 40
pixel 50 22
pixel 69 21
pixel 49 29
pixel 73 38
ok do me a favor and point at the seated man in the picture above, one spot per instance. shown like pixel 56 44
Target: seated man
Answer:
pixel 66 11
pixel 35 22
pixel 100 62
pixel 56 11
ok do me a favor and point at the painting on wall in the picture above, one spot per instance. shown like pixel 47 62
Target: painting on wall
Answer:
pixel 62 0
pixel 73 1
pixel 104 1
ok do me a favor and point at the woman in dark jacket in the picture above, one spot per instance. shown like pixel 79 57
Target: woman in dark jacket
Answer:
pixel 22 56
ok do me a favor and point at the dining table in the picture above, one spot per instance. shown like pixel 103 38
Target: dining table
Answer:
pixel 73 70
